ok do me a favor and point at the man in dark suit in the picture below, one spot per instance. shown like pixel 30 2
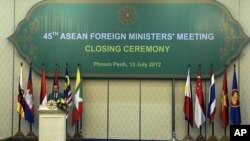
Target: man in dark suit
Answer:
pixel 55 95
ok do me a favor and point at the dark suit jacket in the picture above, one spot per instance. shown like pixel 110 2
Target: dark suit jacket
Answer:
pixel 51 96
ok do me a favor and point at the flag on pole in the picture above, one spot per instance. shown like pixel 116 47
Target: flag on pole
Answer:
pixel 43 94
pixel 235 102
pixel 78 99
pixel 199 102
pixel 20 97
pixel 224 102
pixel 211 110
pixel 188 104
pixel 67 90
pixel 29 105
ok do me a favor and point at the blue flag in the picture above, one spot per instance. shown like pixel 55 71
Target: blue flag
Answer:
pixel 29 107
pixel 235 102
pixel 212 100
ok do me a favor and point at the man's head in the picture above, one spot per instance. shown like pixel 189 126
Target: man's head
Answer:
pixel 55 88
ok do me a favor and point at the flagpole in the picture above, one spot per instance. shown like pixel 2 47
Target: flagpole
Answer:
pixel 200 136
pixel 66 75
pixel 213 128
pixel 30 134
pixel 225 138
pixel 173 111
pixel 188 136
pixel 76 127
pixel 19 133
pixel 77 133
pixel 224 109
pixel 19 123
pixel 188 121
pixel 200 130
pixel 212 137
pixel 76 130
pixel 108 109
pixel 81 131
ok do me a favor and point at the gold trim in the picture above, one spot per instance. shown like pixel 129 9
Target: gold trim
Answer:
pixel 128 1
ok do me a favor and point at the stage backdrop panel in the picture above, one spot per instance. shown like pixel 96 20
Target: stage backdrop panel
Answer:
pixel 117 39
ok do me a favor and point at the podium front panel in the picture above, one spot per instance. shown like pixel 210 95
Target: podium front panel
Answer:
pixel 52 125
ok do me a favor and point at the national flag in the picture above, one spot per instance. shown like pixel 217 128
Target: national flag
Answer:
pixel 199 102
pixel 235 102
pixel 211 110
pixel 43 93
pixel 78 99
pixel 224 102
pixel 188 104
pixel 55 82
pixel 29 105
pixel 20 97
pixel 67 90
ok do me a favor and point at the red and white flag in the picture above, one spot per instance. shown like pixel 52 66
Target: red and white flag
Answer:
pixel 199 102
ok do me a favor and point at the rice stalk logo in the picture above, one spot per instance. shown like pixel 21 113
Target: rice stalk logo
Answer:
pixel 127 15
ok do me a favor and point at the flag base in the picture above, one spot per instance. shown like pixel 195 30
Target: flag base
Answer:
pixel 77 136
pixel 68 135
pixel 212 138
pixel 188 138
pixel 224 138
pixel 19 135
pixel 200 138
pixel 31 135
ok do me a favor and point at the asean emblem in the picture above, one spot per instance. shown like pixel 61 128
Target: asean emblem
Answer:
pixel 51 104
pixel 127 15
pixel 235 99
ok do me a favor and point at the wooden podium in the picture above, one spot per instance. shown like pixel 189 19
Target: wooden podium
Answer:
pixel 52 124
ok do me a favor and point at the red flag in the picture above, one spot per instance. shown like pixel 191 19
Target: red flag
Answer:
pixel 199 102
pixel 43 94
pixel 224 102
pixel 188 104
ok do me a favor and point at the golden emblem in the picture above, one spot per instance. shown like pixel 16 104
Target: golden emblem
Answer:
pixel 235 98
pixel 223 101
pixel 51 104
pixel 127 15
